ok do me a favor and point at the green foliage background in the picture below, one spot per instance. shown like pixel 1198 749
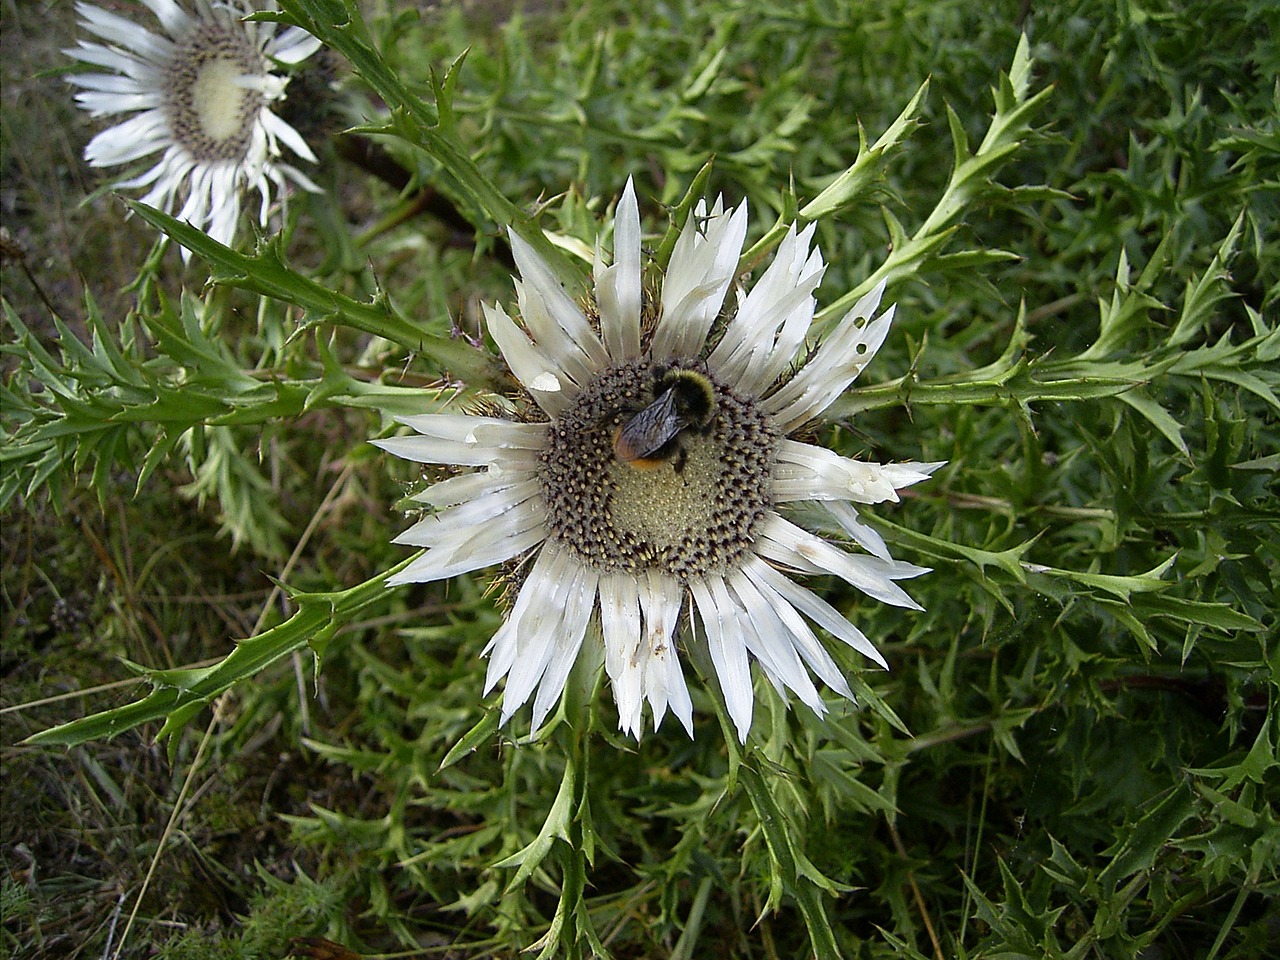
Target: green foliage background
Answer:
pixel 1074 754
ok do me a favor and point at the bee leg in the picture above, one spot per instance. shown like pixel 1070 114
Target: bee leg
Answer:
pixel 680 459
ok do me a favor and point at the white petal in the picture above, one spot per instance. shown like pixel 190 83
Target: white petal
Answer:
pixel 509 435
pixel 703 264
pixel 620 627
pixel 759 360
pixel 464 487
pixel 282 131
pixel 462 440
pixel 449 426
pixel 807 472
pixel 792 625
pixel 784 542
pixel 297 177
pixel 545 654
pixel 837 363
pixel 514 505
pixel 542 285
pixel 292 45
pixel 728 651
pixel 539 600
pixel 550 337
pixel 568 642
pixel 813 607
pixel 200 191
pixel 124 32
pixel 769 326
pixel 910 472
pixel 550 389
pixel 664 686
pixel 172 17
pixel 221 201
pixel 122 86
pixel 128 140
pixel 112 59
pixel 460 553
pixel 864 535
pixel 169 176
pixel 771 642
pixel 618 291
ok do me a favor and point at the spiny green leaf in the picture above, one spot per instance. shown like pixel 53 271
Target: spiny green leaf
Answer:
pixel 200 686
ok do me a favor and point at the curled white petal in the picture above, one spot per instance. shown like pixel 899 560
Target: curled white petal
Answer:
pixel 807 472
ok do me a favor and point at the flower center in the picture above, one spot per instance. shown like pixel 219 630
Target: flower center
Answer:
pixel 687 508
pixel 210 107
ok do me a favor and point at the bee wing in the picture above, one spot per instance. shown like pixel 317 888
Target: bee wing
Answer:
pixel 649 429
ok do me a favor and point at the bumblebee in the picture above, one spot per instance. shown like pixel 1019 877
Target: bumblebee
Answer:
pixel 683 400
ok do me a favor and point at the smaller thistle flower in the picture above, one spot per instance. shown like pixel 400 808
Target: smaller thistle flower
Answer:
pixel 653 483
pixel 201 96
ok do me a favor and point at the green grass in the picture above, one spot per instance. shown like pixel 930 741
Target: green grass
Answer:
pixel 1074 753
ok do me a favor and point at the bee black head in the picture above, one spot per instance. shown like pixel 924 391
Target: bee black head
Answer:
pixel 693 394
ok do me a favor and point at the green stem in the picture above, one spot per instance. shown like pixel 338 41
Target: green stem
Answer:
pixel 177 695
